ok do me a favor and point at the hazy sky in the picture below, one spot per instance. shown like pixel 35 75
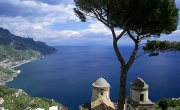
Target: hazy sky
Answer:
pixel 54 22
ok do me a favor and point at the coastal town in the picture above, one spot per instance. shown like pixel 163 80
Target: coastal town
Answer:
pixel 10 65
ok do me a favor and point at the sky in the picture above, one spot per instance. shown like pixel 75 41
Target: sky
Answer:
pixel 54 22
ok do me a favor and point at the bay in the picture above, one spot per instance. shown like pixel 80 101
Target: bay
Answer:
pixel 67 76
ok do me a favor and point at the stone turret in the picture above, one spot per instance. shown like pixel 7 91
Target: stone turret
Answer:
pixel 100 89
pixel 138 96
pixel 139 90
pixel 100 99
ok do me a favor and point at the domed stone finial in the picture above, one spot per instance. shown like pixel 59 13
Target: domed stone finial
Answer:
pixel 101 82
pixel 138 96
pixel 139 84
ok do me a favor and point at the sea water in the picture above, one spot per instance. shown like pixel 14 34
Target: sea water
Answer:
pixel 67 76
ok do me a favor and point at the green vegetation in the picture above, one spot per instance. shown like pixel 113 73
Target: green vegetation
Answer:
pixel 138 19
pixel 7 71
pixel 16 48
pixel 177 108
pixel 8 52
pixel 155 47
pixel 5 74
pixel 24 101
pixel 164 103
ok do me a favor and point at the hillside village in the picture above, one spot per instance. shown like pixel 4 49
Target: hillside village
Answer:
pixel 7 63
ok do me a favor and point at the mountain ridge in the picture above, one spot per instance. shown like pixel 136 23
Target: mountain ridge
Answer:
pixel 11 44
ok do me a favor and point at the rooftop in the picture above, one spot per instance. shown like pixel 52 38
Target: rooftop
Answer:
pixel 139 84
pixel 100 101
pixel 101 82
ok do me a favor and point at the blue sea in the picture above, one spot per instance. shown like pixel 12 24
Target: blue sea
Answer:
pixel 67 76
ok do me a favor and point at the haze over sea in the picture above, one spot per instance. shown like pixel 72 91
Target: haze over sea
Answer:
pixel 67 76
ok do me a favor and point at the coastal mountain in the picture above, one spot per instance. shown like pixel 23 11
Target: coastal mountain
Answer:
pixel 17 48
pixel 15 51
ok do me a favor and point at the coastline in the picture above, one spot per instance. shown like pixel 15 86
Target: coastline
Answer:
pixel 15 72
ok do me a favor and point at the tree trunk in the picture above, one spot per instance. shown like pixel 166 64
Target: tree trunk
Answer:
pixel 124 66
pixel 122 88
pixel 123 76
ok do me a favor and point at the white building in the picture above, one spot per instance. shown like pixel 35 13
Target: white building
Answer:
pixel 1 100
pixel 138 99
pixel 39 109
pixel 100 99
pixel 19 92
pixel 53 108
pixel 1 108
pixel 100 89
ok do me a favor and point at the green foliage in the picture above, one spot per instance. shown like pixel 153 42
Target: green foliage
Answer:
pixel 5 91
pixel 167 102
pixel 173 103
pixel 155 47
pixel 177 108
pixel 146 16
pixel 138 19
pixel 14 49
pixel 80 15
pixel 8 52
pixel 7 71
pixel 163 103
pixel 18 48
pixel 24 101
pixel 141 17
pixel 5 74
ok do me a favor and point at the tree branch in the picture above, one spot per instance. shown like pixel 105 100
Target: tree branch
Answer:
pixel 101 18
pixel 134 52
pixel 120 35
pixel 141 54
pixel 132 57
pixel 118 53
pixel 132 37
